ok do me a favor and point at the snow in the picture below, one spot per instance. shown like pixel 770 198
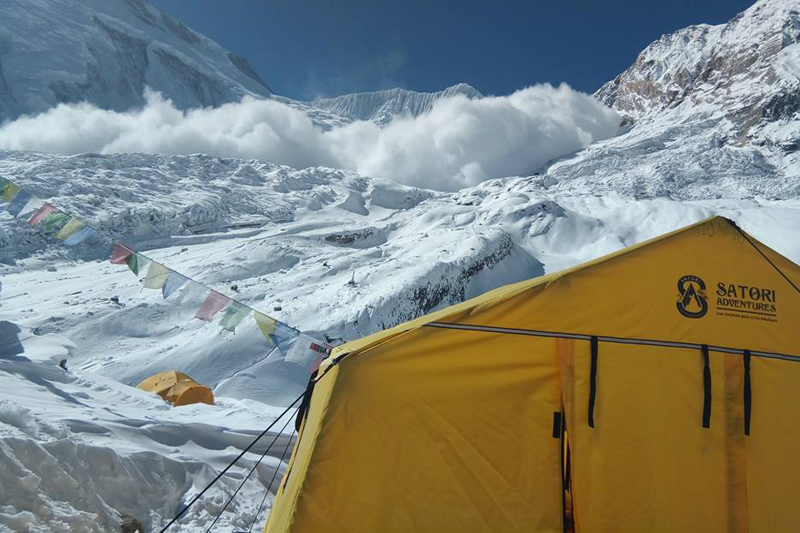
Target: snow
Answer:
pixel 106 52
pixel 458 142
pixel 381 107
pixel 78 449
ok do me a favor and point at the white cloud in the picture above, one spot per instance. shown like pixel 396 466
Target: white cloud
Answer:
pixel 460 142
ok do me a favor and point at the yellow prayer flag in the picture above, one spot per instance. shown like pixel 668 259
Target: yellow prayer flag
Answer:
pixel 265 324
pixel 156 276
pixel 69 228
pixel 10 191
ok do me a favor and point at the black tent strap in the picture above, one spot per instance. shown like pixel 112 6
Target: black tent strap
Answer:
pixel 302 411
pixel 561 435
pixel 556 424
pixel 748 393
pixel 592 381
pixel 706 388
pixel 601 338
pixel 778 270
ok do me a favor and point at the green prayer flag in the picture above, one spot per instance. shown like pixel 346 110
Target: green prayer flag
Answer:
pixel 233 316
pixel 136 262
pixel 54 221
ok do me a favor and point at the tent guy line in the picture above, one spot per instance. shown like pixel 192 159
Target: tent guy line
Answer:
pixel 250 473
pixel 617 340
pixel 224 470
pixel 767 259
pixel 271 481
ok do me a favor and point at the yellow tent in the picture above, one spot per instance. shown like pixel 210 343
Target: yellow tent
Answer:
pixel 177 388
pixel 674 365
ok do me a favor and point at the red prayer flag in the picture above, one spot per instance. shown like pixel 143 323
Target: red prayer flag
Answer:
pixel 120 254
pixel 43 211
pixel 213 305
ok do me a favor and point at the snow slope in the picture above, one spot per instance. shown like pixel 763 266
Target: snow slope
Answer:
pixel 106 52
pixel 79 452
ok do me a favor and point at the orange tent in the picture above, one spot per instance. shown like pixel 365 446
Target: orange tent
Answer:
pixel 177 388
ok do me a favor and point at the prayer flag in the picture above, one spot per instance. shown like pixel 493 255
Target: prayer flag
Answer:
pixel 303 353
pixel 71 227
pixel 80 236
pixel 54 221
pixel 156 276
pixel 213 304
pixel 19 202
pixel 174 282
pixel 319 348
pixel 120 254
pixel 266 325
pixel 40 215
pixel 136 262
pixel 10 191
pixel 234 315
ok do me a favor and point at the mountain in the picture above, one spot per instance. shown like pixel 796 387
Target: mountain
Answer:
pixel 381 106
pixel 712 111
pixel 105 52
pixel 746 69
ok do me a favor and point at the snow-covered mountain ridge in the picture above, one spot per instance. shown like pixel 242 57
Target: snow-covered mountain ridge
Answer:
pixel 382 106
pixel 747 69
pixel 712 111
pixel 106 52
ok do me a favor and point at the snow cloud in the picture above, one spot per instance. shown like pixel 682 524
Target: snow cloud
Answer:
pixel 459 143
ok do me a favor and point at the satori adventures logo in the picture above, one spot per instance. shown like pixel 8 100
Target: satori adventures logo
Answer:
pixel 692 299
pixel 733 300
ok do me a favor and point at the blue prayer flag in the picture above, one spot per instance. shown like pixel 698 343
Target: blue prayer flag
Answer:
pixel 19 202
pixel 174 282
pixel 79 236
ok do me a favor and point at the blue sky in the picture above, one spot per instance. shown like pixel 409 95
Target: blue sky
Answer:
pixel 310 48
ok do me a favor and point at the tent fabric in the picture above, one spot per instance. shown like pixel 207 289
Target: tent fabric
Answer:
pixel 445 423
pixel 177 388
